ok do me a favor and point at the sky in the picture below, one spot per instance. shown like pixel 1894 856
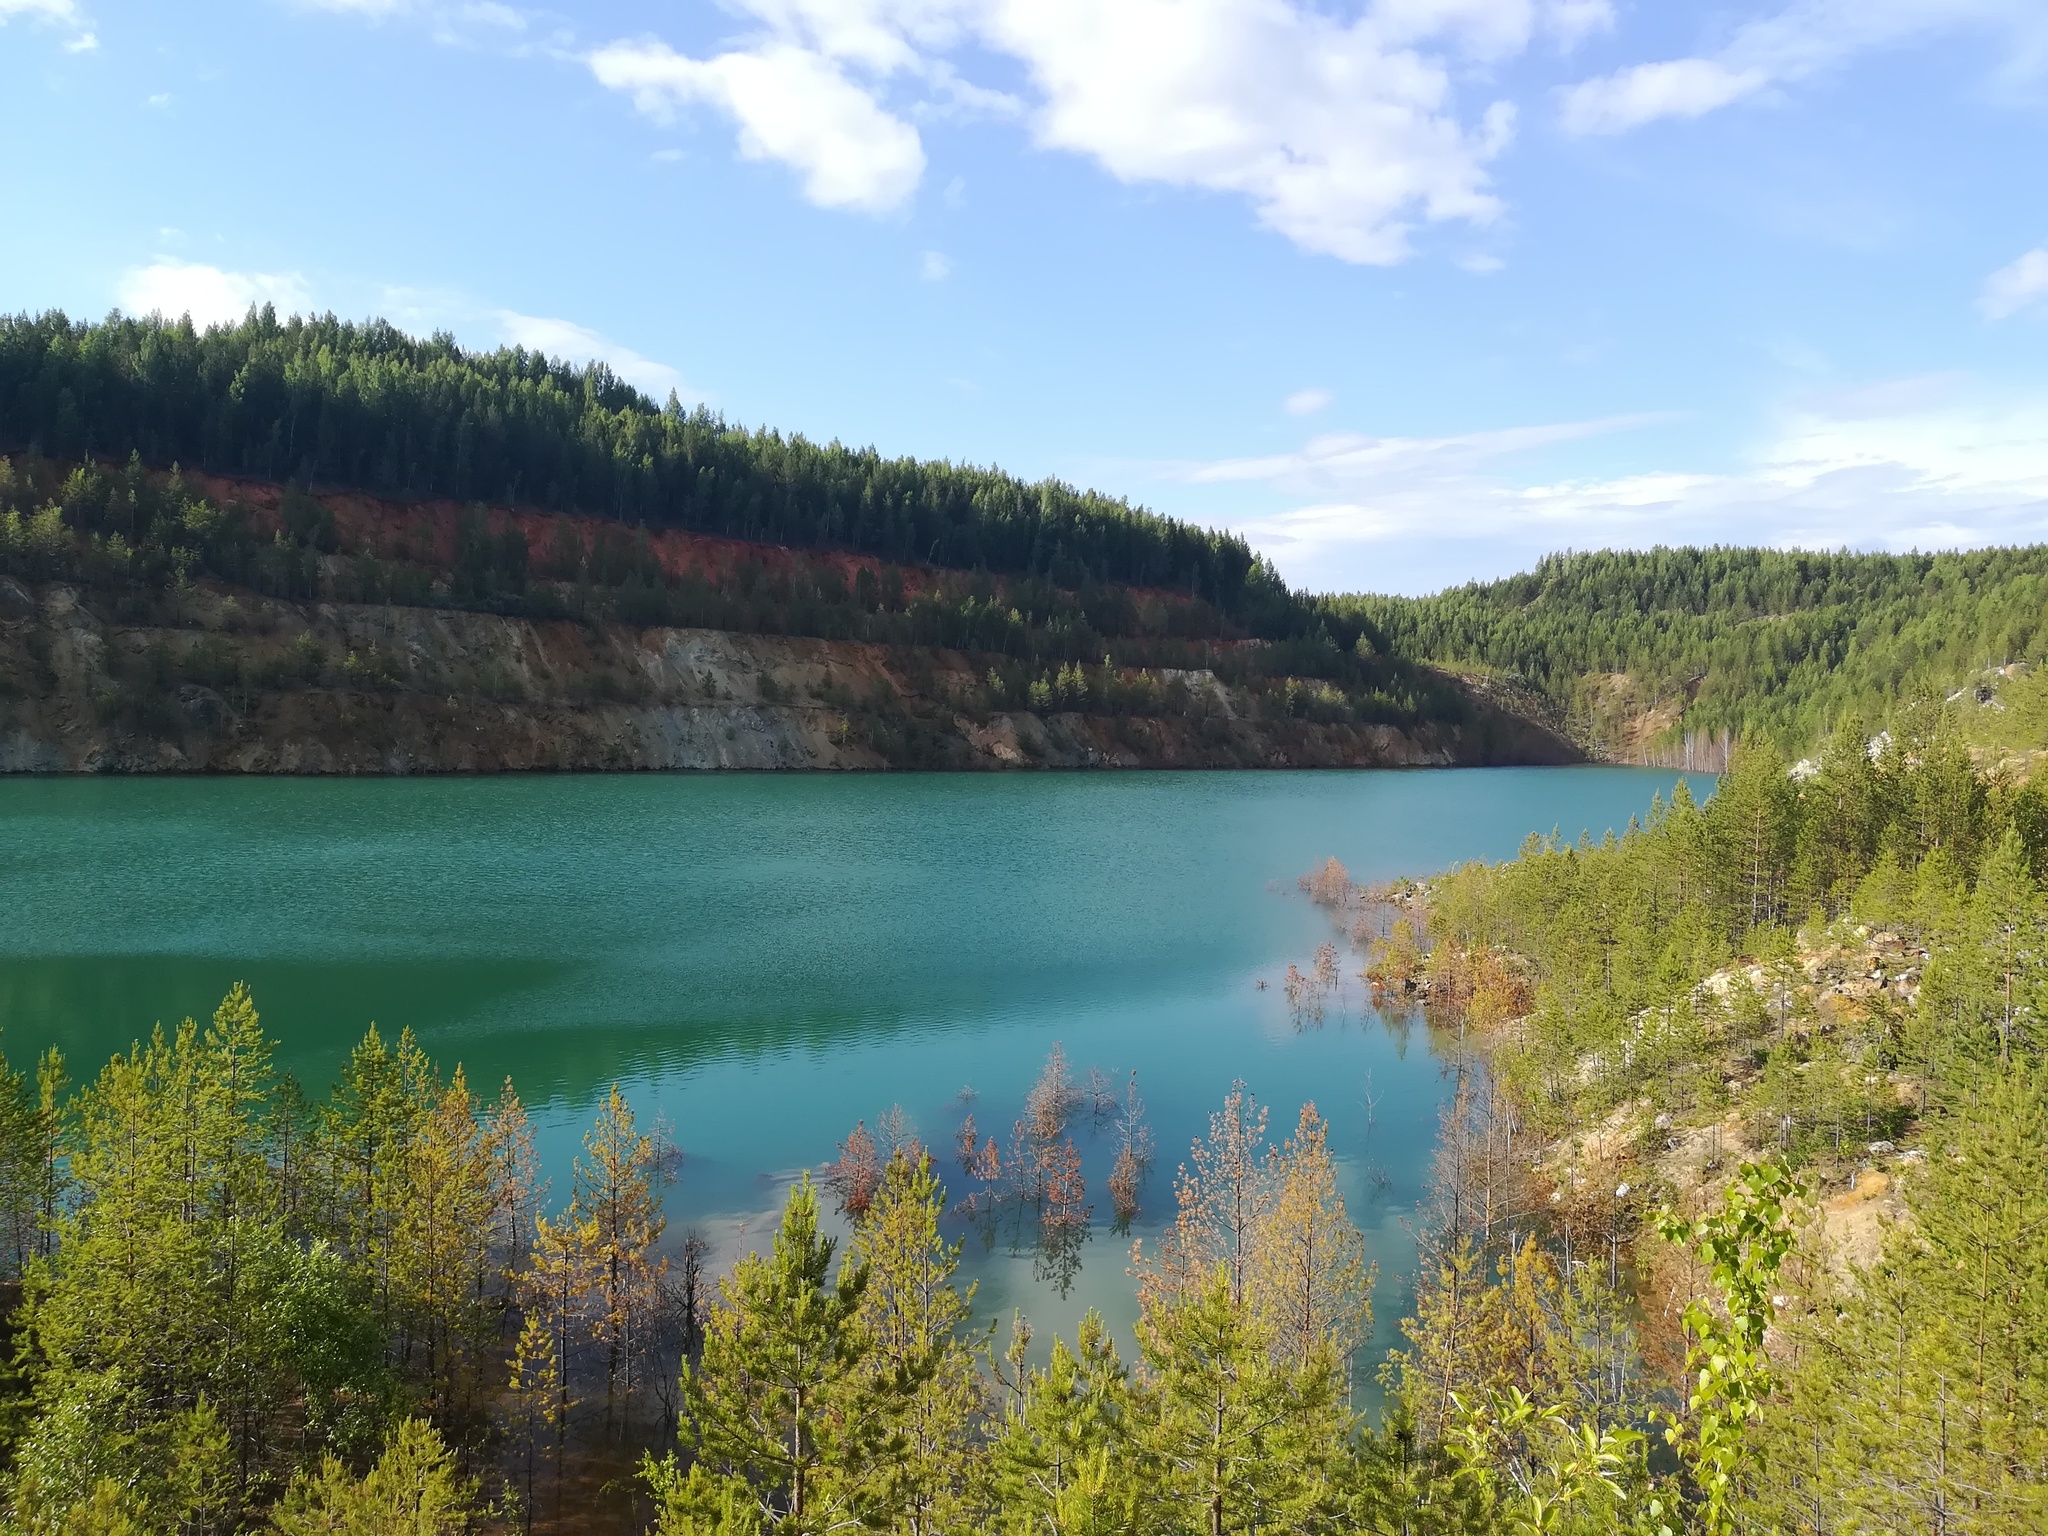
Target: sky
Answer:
pixel 1408 292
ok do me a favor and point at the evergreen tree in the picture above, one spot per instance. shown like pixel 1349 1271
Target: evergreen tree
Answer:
pixel 787 1420
pixel 1064 1463
pixel 921 1354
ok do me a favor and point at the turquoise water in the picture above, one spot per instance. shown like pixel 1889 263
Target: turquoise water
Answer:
pixel 762 960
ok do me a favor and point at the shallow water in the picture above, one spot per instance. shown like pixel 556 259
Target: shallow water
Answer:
pixel 762 960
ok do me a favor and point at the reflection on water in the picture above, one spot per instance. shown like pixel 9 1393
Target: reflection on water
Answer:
pixel 765 960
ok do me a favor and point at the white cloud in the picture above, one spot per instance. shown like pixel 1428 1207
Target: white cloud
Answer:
pixel 792 106
pixel 1681 88
pixel 1921 463
pixel 1335 463
pixel 2018 286
pixel 935 266
pixel 61 13
pixel 208 294
pixel 579 344
pixel 1306 402
pixel 1339 139
pixel 1482 265
pixel 160 99
pixel 1805 39
pixel 1343 134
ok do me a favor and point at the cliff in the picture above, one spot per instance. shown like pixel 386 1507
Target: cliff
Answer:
pixel 215 680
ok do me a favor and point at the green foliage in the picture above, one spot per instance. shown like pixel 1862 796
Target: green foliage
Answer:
pixel 316 399
pixel 782 1410
pixel 1783 643
pixel 414 1489
pixel 1063 1461
pixel 1728 1373
pixel 1914 1399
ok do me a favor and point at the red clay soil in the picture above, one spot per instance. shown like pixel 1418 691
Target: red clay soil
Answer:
pixel 425 531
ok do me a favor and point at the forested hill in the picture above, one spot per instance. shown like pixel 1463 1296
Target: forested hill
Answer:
pixel 1721 639
pixel 327 402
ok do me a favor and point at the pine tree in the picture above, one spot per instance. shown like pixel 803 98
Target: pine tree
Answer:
pixel 1229 1441
pixel 1063 1463
pixel 1309 1283
pixel 616 1203
pixel 1222 1199
pixel 917 1320
pixel 414 1489
pixel 786 1420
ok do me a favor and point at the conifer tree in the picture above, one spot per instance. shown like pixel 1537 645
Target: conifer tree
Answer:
pixel 917 1320
pixel 616 1208
pixel 1229 1441
pixel 1064 1463
pixel 1309 1283
pixel 414 1489
pixel 788 1423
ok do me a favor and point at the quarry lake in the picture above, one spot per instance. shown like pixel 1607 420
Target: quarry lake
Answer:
pixel 761 961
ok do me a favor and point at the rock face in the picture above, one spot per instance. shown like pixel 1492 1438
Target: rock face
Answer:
pixel 225 683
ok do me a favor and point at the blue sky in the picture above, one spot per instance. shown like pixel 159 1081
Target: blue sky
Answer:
pixel 1408 291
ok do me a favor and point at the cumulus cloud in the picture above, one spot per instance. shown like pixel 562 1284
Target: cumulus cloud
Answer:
pixel 1344 135
pixel 2018 286
pixel 580 344
pixel 792 105
pixel 1921 463
pixel 1805 39
pixel 1339 140
pixel 209 295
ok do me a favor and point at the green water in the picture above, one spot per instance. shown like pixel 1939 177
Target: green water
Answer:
pixel 765 959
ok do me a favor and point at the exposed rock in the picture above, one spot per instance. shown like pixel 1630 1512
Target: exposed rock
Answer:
pixel 231 683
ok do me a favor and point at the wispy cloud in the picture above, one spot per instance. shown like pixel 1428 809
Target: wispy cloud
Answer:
pixel 793 105
pixel 935 266
pixel 1927 463
pixel 2020 285
pixel 64 14
pixel 1797 43
pixel 1306 402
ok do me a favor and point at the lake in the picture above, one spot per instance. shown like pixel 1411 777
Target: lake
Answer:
pixel 763 960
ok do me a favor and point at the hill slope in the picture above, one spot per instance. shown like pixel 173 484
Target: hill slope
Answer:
pixel 1646 656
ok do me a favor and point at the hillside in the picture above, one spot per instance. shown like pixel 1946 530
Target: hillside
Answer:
pixel 365 407
pixel 157 622
pixel 310 463
pixel 1666 656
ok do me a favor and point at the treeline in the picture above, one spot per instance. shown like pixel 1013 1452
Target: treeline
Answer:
pixel 316 400
pixel 231 1294
pixel 1620 934
pixel 1779 642
pixel 1847 974
pixel 142 536
pixel 242 1308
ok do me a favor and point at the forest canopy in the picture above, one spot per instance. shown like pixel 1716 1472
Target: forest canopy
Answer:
pixel 1786 642
pixel 1696 641
pixel 325 401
